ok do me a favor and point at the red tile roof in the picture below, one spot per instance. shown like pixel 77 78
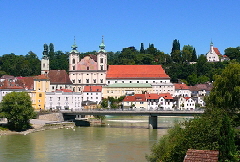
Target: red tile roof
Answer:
pixel 216 51
pixel 64 90
pixel 92 89
pixel 135 98
pixel 6 84
pixel 181 86
pixel 157 96
pixel 201 156
pixel 26 82
pixel 40 77
pixel 136 71
pixel 59 77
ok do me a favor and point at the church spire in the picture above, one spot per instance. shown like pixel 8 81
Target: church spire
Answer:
pixel 74 47
pixel 102 46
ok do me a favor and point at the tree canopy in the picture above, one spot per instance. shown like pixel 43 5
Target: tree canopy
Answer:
pixel 17 108
pixel 214 130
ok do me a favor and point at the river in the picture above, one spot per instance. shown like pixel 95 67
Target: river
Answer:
pixel 120 139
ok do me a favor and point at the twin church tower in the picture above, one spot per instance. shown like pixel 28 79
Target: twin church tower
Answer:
pixel 88 71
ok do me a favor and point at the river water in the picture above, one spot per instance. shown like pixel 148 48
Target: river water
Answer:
pixel 120 139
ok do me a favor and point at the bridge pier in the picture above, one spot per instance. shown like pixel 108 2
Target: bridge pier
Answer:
pixel 152 122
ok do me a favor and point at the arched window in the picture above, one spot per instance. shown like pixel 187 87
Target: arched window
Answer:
pixel 73 67
pixel 73 61
pixel 88 68
pixel 73 89
pixel 40 94
pixel 101 60
pixel 101 67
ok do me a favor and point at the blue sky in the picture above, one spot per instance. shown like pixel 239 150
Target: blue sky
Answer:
pixel 27 25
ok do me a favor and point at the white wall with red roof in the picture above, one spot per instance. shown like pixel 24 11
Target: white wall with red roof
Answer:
pixel 63 99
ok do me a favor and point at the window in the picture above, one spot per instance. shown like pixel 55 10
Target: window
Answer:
pixel 122 81
pixel 87 93
pixel 146 81
pixel 88 68
pixel 101 60
pixel 79 88
pixel 115 81
pixel 137 81
pixel 130 81
pixel 73 80
pixel 73 61
pixel 87 80
pixel 108 82
pixel 44 65
pixel 101 80
pixel 73 89
pixel 79 80
pixel 101 67
pixel 73 67
pixel 40 94
pixel 50 98
pixel 94 80
pixel 66 98
pixel 96 97
pixel 58 98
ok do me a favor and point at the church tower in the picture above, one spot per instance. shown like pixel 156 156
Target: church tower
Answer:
pixel 102 57
pixel 73 57
pixel 45 61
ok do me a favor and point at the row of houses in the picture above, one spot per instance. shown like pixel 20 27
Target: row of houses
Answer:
pixel 90 79
pixel 45 95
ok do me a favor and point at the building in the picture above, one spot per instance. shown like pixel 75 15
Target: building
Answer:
pixel 117 90
pixel 182 90
pixel 88 71
pixel 162 101
pixel 92 93
pixel 214 55
pixel 63 99
pixel 138 101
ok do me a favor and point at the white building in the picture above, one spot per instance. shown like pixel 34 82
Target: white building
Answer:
pixel 92 93
pixel 63 99
pixel 182 90
pixel 162 101
pixel 185 103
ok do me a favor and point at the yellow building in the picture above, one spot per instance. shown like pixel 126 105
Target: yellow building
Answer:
pixel 122 89
pixel 41 85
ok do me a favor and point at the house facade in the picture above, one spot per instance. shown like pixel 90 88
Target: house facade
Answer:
pixel 92 93
pixel 117 90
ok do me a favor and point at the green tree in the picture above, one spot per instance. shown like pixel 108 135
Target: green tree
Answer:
pixel 226 91
pixel 100 117
pixel 142 50
pixel 194 56
pixel 17 108
pixel 212 131
pixel 233 53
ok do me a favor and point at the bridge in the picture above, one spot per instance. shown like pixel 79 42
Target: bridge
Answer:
pixel 152 114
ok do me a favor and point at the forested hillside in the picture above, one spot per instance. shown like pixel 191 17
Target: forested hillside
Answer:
pixel 181 64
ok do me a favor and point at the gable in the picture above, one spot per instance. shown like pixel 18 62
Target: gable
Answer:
pixel 87 63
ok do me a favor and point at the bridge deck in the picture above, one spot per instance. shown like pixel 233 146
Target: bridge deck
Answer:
pixel 127 113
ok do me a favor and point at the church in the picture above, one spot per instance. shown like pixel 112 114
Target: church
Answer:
pixel 93 70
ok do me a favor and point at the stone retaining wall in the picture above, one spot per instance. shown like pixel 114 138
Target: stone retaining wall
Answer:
pixel 52 117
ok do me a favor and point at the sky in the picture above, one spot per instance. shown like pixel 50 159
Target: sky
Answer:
pixel 26 25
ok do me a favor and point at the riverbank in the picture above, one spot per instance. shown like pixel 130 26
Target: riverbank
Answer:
pixel 40 125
